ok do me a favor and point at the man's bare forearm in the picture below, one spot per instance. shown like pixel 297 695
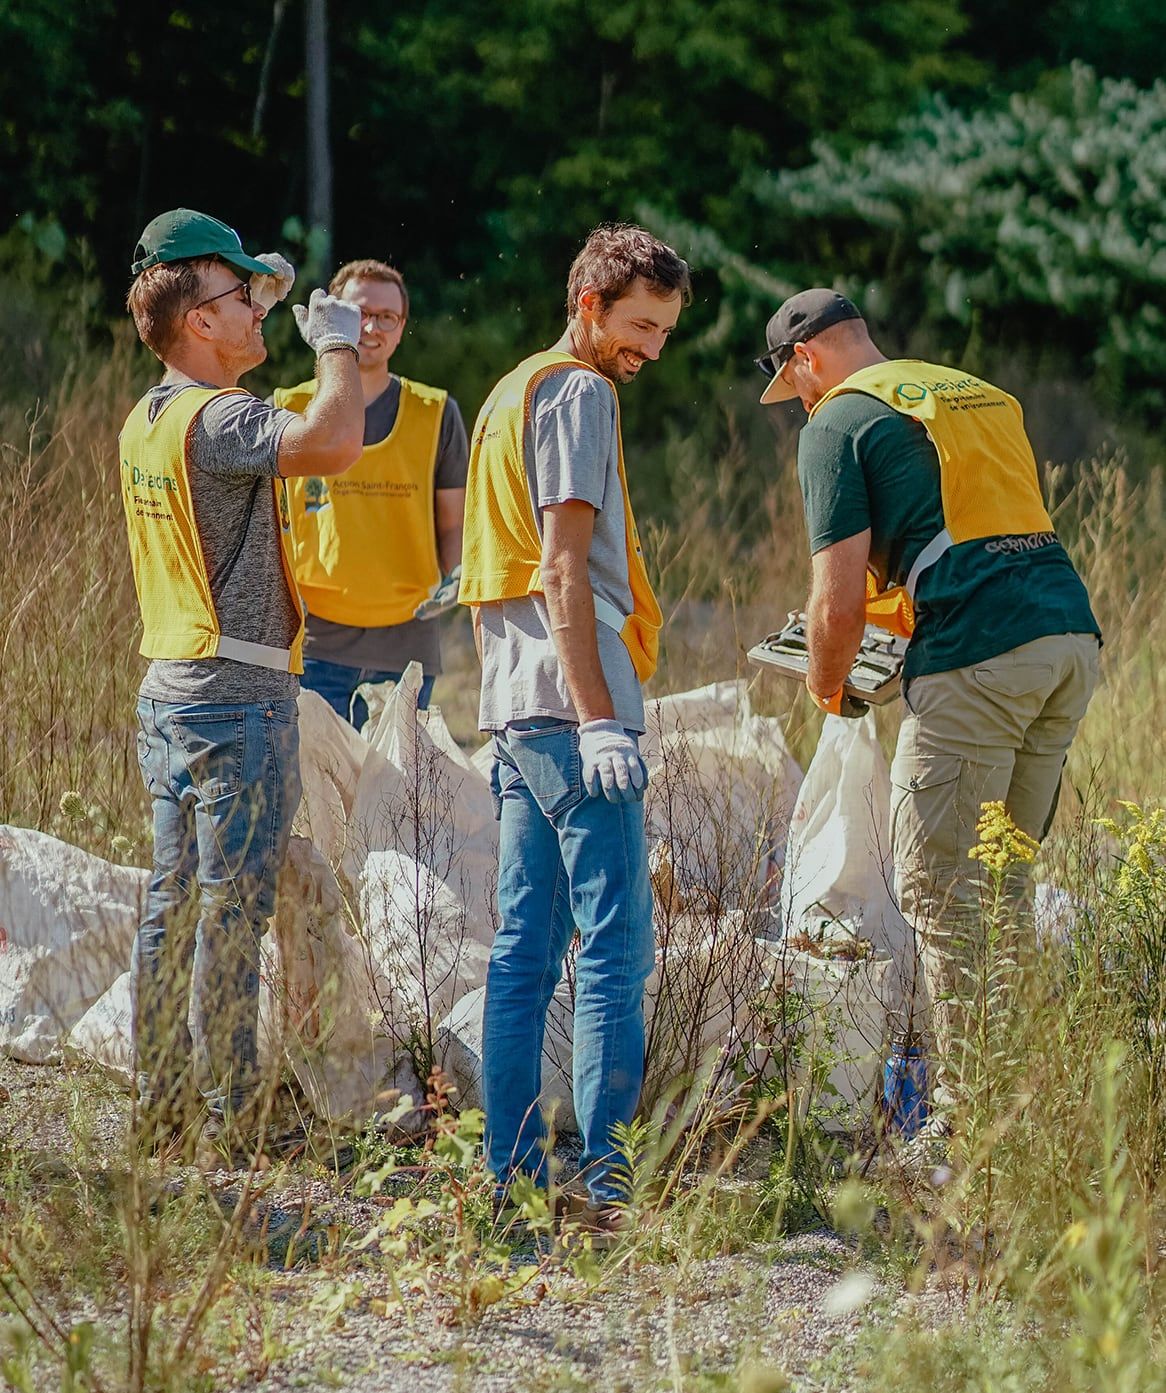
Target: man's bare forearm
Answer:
pixel 449 508
pixel 329 436
pixel 834 642
pixel 571 608
pixel 836 612
pixel 449 549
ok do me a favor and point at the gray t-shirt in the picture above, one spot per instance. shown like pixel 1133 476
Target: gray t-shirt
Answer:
pixel 392 647
pixel 571 452
pixel 232 458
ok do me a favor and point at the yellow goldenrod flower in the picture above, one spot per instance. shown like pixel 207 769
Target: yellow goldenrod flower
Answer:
pixel 1002 843
pixel 1142 838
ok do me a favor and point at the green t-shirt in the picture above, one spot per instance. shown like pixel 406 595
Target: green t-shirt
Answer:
pixel 862 464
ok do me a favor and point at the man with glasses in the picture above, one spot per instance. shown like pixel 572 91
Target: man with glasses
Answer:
pixel 378 552
pixel 924 512
pixel 203 464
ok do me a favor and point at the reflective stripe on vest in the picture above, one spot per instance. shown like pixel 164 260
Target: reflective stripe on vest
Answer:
pixel 257 654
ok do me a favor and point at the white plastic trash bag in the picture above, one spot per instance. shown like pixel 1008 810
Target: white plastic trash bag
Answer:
pixel 67 926
pixel 104 1033
pixel 723 787
pixel 838 858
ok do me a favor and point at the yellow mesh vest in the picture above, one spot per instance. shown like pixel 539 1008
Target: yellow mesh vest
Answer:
pixel 174 593
pixel 501 547
pixel 987 472
pixel 366 540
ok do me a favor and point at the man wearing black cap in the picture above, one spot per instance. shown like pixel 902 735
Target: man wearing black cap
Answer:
pixel 202 469
pixel 925 515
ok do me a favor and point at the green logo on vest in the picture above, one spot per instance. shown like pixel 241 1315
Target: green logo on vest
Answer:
pixel 315 495
pixel 911 392
pixel 141 478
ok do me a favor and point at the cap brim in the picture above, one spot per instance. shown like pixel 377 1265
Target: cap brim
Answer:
pixel 246 264
pixel 777 390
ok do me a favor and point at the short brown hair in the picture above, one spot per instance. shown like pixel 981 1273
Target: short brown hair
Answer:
pixel 616 254
pixel 369 270
pixel 160 297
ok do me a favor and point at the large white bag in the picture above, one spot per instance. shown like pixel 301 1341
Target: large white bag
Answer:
pixel 723 788
pixel 838 859
pixel 67 926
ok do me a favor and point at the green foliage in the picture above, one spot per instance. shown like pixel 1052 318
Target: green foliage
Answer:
pixel 1040 224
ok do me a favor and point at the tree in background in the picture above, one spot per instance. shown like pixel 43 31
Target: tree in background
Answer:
pixel 476 144
pixel 1040 227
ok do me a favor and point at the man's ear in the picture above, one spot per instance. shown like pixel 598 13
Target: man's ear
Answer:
pixel 590 303
pixel 198 323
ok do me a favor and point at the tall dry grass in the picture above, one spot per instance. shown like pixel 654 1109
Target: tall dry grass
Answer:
pixel 68 615
pixel 1059 1208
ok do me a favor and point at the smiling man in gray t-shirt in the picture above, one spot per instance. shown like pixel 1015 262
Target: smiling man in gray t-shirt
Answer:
pixel 566 627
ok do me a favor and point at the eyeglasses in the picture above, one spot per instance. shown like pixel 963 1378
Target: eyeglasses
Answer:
pixel 384 320
pixel 768 361
pixel 244 286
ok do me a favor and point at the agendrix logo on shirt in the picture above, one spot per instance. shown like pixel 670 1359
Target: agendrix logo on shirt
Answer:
pixel 911 392
pixel 316 495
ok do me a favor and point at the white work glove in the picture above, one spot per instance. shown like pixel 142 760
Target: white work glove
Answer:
pixel 443 596
pixel 269 290
pixel 326 322
pixel 611 763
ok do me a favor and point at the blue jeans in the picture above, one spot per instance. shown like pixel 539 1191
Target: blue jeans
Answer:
pixel 566 862
pixel 224 782
pixel 337 684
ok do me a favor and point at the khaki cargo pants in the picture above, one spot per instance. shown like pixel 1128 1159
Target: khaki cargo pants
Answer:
pixel 995 731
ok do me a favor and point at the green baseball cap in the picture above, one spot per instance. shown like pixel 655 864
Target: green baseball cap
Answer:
pixel 182 234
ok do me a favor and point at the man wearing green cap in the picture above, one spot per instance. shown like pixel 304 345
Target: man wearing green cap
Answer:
pixel 202 468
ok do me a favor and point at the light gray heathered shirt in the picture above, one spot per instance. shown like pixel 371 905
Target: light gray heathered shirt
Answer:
pixel 571 452
pixel 232 459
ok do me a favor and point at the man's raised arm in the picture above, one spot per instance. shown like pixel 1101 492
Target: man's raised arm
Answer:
pixel 329 436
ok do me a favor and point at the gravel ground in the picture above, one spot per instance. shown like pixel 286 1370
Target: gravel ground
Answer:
pixel 797 1307
pixel 790 1311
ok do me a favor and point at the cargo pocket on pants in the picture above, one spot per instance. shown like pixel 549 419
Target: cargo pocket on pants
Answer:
pixel 926 811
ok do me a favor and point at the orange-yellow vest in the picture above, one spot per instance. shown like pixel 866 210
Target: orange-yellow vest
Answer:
pixel 174 591
pixel 501 546
pixel 366 540
pixel 987 472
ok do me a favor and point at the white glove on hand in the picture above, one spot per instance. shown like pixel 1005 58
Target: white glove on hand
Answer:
pixel 611 763
pixel 326 322
pixel 269 290
pixel 442 597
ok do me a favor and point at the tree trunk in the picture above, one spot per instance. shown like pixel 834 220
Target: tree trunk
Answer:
pixel 319 154
pixel 265 71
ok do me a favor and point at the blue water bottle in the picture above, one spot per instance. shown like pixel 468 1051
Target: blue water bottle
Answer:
pixel 905 1088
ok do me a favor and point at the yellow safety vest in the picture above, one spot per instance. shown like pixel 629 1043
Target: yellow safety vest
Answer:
pixel 366 540
pixel 987 472
pixel 174 591
pixel 501 546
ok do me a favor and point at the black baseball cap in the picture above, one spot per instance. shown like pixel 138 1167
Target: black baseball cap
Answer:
pixel 801 317
pixel 182 234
